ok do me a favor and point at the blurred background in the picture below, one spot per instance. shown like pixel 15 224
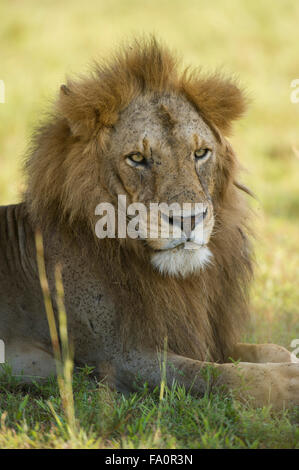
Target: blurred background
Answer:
pixel 43 42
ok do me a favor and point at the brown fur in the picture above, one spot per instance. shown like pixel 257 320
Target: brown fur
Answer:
pixel 202 315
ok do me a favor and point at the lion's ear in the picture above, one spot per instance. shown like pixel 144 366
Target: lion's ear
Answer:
pixel 79 110
pixel 219 100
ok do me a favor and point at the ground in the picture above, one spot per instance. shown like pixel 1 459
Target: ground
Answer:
pixel 40 44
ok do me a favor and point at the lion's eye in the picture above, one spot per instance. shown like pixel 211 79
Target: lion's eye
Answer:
pixel 201 154
pixel 136 159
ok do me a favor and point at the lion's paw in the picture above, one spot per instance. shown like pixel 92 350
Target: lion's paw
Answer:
pixel 273 383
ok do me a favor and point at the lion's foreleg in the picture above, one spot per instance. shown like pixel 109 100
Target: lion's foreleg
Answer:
pixel 136 368
pixel 277 384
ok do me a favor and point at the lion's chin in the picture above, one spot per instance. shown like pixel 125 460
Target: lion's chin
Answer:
pixel 181 263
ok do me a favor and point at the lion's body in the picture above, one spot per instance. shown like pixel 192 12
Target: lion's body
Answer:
pixel 91 319
pixel 109 300
pixel 124 297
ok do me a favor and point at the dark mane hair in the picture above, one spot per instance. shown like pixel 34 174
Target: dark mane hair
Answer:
pixel 202 315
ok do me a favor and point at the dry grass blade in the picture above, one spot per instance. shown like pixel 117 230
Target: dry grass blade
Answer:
pixel 67 356
pixel 63 354
pixel 47 299
pixel 163 383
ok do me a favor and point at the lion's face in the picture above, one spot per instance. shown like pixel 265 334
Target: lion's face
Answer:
pixel 161 151
pixel 141 127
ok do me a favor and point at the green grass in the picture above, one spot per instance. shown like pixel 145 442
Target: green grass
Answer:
pixel 142 420
pixel 40 44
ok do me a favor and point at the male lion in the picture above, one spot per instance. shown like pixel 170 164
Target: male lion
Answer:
pixel 140 128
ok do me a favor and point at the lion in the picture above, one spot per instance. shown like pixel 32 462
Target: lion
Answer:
pixel 143 127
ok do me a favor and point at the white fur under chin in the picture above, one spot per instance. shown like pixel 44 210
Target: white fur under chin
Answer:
pixel 181 263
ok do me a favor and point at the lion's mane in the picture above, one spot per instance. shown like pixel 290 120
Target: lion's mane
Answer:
pixel 201 316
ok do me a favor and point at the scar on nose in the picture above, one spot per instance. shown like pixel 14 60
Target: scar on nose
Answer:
pixel 168 121
pixel 146 145
pixel 196 141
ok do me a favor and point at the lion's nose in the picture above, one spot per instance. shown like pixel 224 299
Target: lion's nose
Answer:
pixel 189 222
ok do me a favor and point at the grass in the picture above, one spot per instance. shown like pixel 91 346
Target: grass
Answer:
pixel 142 420
pixel 40 43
